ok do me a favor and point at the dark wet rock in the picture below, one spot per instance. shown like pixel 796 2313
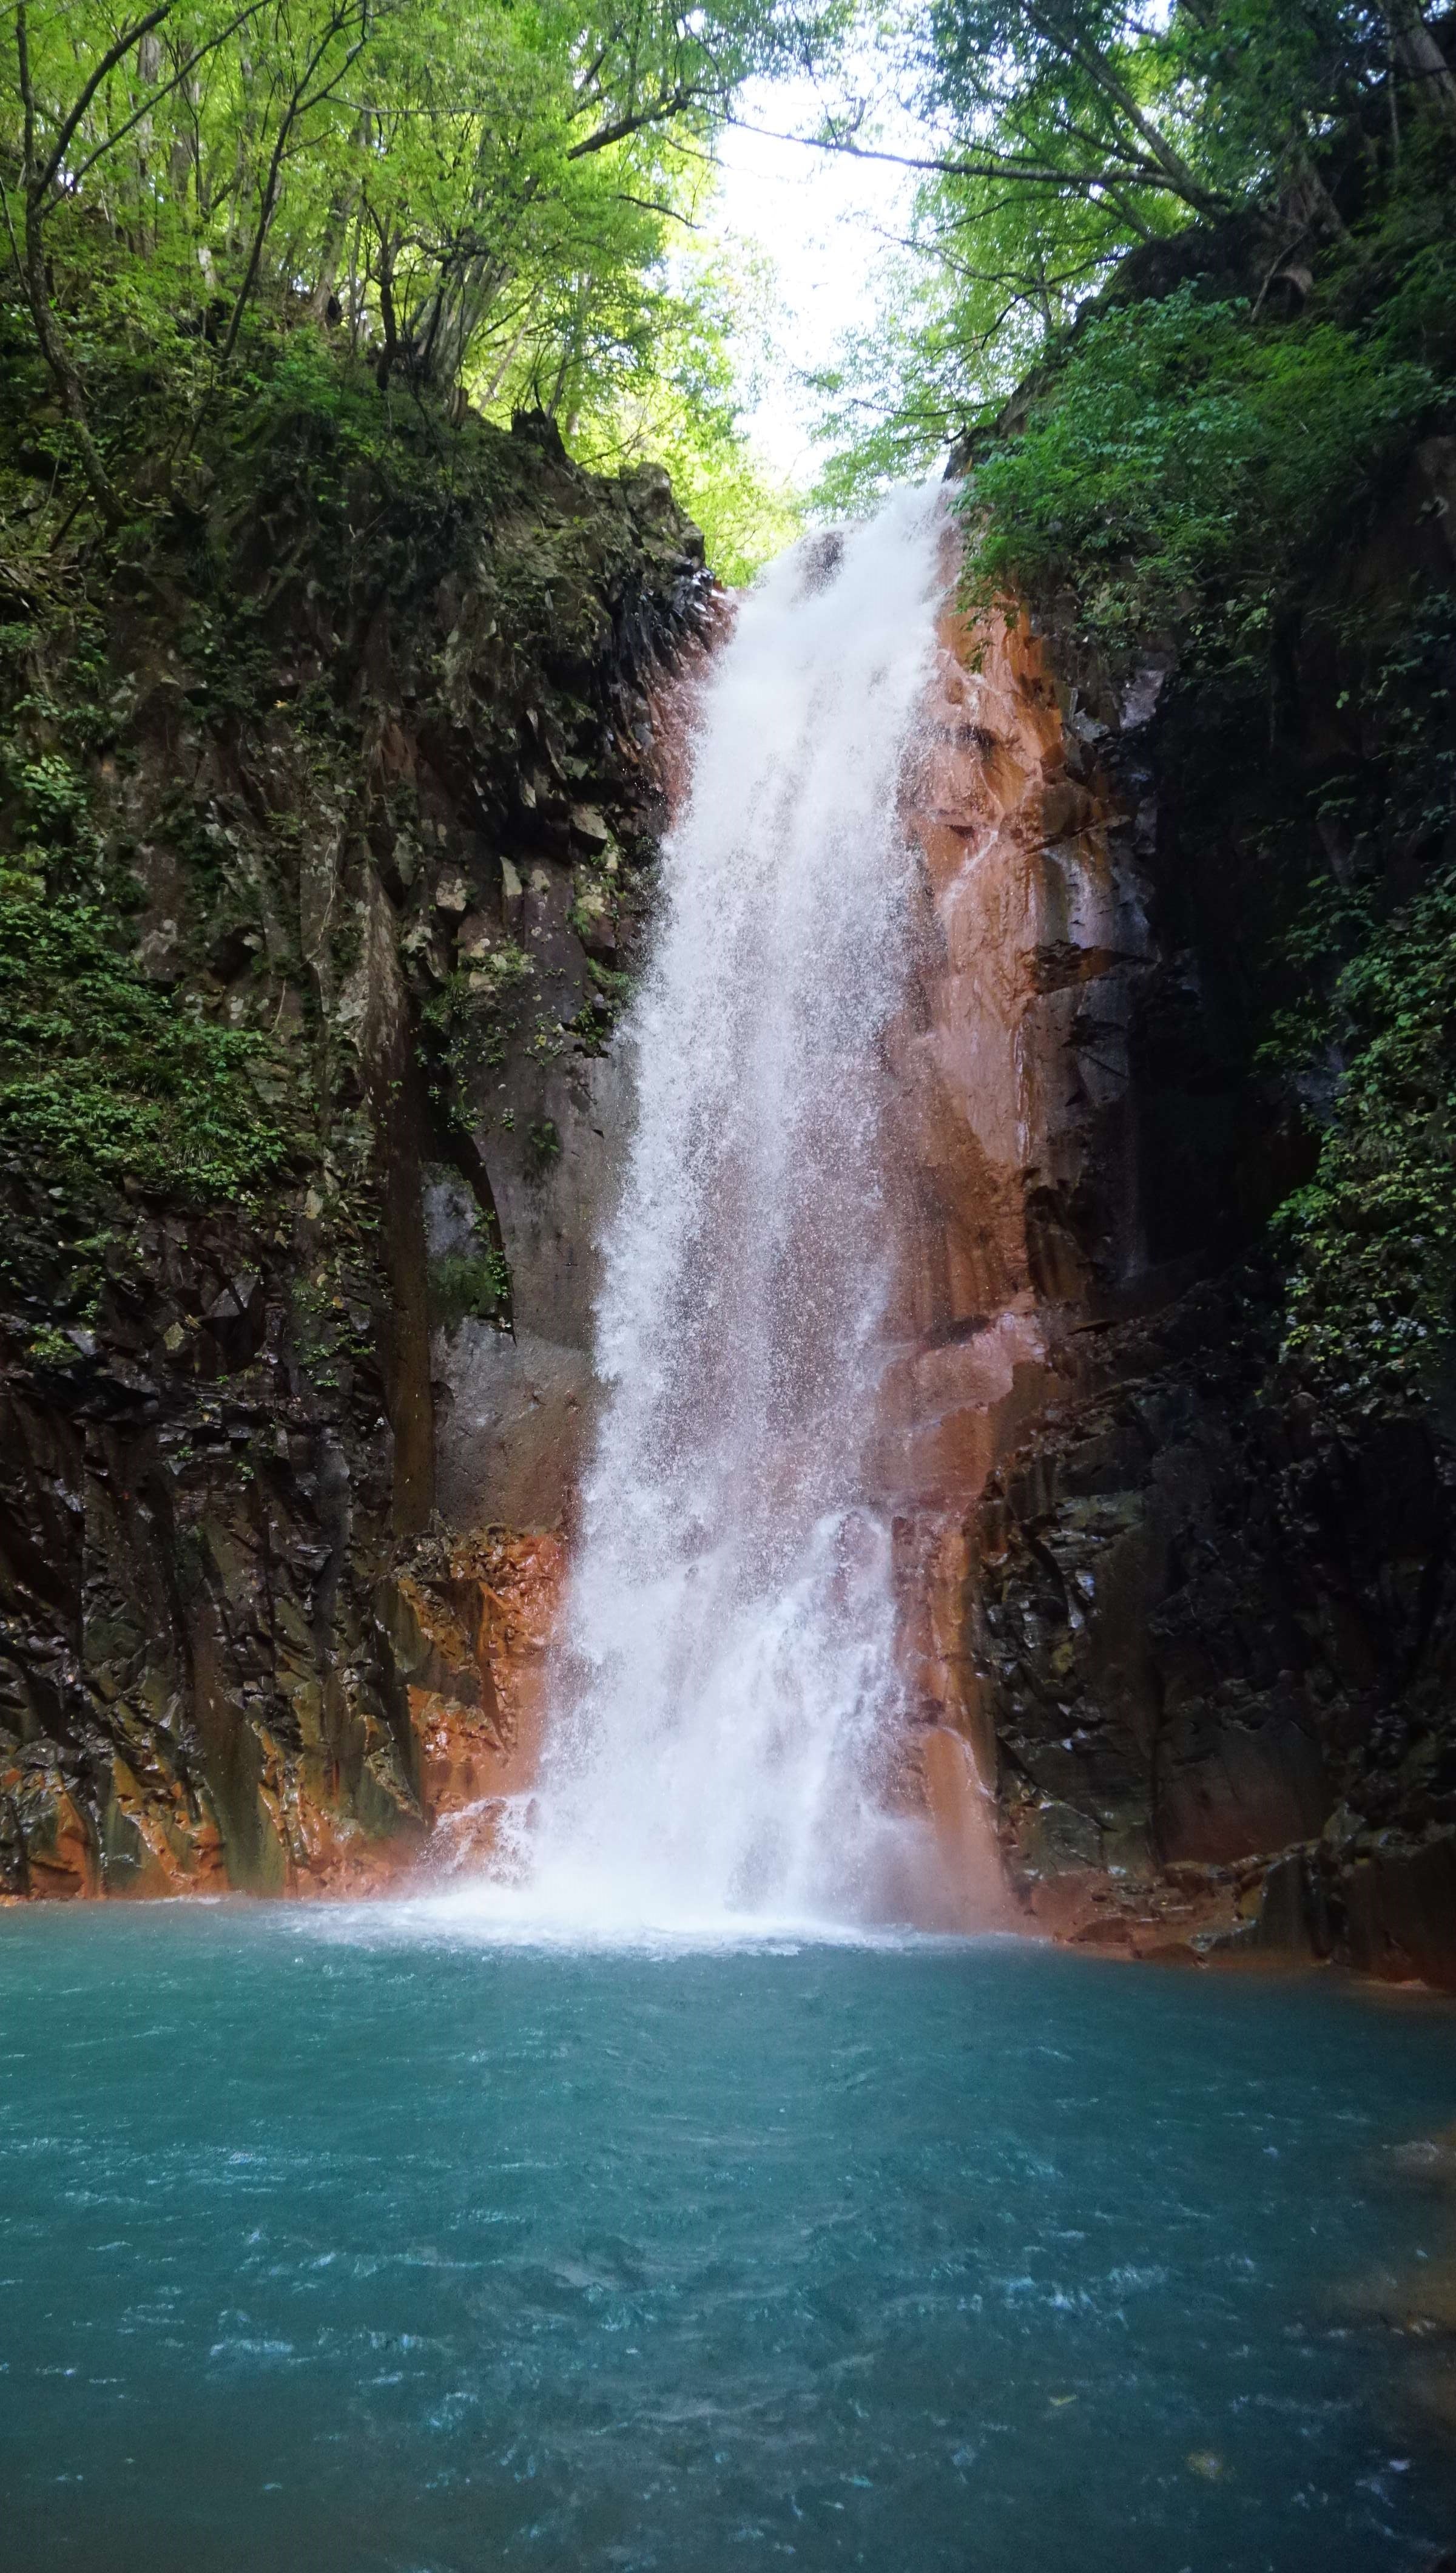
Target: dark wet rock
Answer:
pixel 1204 1645
pixel 357 791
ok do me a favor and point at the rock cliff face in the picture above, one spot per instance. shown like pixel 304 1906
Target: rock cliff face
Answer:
pixel 292 1406
pixel 1013 1135
pixel 1194 1625
pixel 352 769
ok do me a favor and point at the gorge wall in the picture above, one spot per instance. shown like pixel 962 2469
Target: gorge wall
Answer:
pixel 332 805
pixel 334 809
pixel 1192 1614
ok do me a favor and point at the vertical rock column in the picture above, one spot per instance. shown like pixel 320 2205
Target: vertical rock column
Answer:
pixel 1008 1095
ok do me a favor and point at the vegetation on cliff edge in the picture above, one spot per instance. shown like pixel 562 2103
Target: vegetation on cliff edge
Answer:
pixel 477 203
pixel 1208 259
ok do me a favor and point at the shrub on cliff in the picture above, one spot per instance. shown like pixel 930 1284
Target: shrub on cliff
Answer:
pixel 1370 1240
pixel 1183 467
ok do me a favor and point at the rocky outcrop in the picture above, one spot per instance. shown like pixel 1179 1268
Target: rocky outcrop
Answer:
pixel 467 1633
pixel 1014 1133
pixel 1216 1638
pixel 189 1687
pixel 1194 1622
pixel 358 771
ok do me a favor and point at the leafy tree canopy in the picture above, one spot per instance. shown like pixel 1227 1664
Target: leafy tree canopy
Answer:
pixel 1062 136
pixel 477 195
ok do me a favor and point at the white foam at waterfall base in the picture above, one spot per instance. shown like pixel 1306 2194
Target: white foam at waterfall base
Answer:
pixel 724 1692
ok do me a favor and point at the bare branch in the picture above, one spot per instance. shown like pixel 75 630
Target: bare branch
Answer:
pixel 155 97
pixel 667 105
pixel 110 61
pixel 300 105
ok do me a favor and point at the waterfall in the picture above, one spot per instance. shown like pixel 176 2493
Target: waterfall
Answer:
pixel 725 1688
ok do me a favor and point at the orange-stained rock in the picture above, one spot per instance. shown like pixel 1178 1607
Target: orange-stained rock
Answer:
pixel 469 1629
pixel 155 1843
pixel 1007 1098
pixel 465 1629
pixel 1008 1073
pixel 61 1853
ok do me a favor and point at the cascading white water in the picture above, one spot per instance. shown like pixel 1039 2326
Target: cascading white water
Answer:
pixel 726 1684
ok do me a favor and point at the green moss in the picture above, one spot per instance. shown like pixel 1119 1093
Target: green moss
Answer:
pixel 465 1285
pixel 1371 1241
pixel 105 1079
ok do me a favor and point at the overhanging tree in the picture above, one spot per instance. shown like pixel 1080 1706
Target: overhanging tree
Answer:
pixel 475 190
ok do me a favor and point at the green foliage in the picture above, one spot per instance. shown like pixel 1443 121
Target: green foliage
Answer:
pixel 1407 703
pixel 1371 1241
pixel 53 795
pixel 678 405
pixel 1181 462
pixel 473 199
pixel 1114 113
pixel 50 1348
pixel 470 1286
pixel 989 276
pixel 104 1079
pixel 1063 139
pixel 543 1147
pixel 937 348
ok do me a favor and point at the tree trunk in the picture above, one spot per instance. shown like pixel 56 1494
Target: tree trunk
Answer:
pixel 1421 58
pixel 50 336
